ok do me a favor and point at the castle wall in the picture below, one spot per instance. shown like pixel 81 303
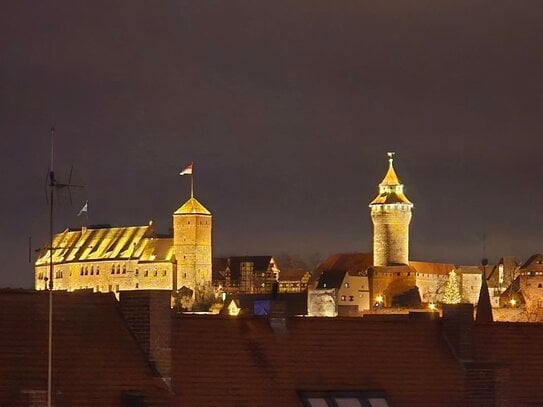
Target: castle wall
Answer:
pixel 106 275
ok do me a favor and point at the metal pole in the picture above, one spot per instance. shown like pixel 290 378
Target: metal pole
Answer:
pixel 50 328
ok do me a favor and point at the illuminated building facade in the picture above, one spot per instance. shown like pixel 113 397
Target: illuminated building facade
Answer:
pixel 391 214
pixel 113 259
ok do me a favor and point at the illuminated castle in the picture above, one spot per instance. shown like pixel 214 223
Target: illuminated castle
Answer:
pixel 113 259
pixel 391 214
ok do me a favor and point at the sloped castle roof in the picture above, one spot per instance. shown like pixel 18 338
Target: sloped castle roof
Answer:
pixel 192 207
pixel 390 188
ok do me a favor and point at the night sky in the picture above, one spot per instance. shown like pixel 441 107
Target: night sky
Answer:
pixel 287 109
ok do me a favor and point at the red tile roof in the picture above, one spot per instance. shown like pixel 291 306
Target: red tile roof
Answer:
pixel 244 362
pixel 515 350
pixel 95 358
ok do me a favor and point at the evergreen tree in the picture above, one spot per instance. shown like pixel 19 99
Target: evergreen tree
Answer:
pixel 451 294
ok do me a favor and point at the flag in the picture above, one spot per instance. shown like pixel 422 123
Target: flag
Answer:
pixel 84 209
pixel 187 170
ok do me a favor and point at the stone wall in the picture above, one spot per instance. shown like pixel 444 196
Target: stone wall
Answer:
pixel 390 235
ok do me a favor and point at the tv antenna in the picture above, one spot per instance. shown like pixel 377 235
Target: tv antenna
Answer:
pixel 54 185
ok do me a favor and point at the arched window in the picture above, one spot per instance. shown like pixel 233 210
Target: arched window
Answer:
pixel 92 270
pixel 118 269
pixel 97 270
pixel 112 269
pixel 124 268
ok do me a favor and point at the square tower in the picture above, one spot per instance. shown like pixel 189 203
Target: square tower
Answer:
pixel 192 225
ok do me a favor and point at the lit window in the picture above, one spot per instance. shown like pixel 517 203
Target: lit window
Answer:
pixel 343 298
pixel 347 285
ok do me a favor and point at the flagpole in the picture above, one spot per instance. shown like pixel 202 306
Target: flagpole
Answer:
pixel 191 181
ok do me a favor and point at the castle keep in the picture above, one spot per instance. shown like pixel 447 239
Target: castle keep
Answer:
pixel 391 214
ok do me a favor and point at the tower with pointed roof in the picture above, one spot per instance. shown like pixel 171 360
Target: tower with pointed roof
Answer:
pixel 391 215
pixel 192 224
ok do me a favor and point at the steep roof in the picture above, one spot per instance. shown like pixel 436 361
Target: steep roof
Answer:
pixel 292 274
pixel 408 360
pixel 353 263
pixel 390 188
pixel 534 263
pixel 431 268
pixel 331 279
pixel 95 358
pixel 107 243
pixel 192 206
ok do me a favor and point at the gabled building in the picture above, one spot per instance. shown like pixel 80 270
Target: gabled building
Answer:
pixel 350 293
pixel 293 280
pixel 526 290
pixel 247 274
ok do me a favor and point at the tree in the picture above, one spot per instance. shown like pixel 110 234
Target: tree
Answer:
pixel 451 294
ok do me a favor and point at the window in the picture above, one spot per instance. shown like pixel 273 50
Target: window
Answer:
pixel 351 297
pixel 137 285
pixel 343 297
pixel 113 269
pixel 344 399
pixel 347 285
pixel 540 285
pixel 118 269
pixel 97 270
pixel 164 273
pixel 146 274
pixel 124 268
pixel 92 270
pixel 155 273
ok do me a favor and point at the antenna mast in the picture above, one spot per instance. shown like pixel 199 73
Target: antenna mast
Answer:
pixel 52 185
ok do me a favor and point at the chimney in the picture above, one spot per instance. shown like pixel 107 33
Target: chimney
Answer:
pixel 277 317
pixel 148 316
pixel 458 329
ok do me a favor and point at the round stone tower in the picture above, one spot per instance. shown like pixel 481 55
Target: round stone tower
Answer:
pixel 192 247
pixel 391 214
